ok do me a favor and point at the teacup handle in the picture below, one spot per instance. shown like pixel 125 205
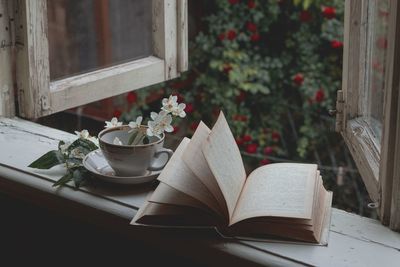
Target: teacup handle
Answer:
pixel 169 152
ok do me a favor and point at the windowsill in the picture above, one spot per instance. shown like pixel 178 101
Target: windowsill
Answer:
pixel 353 240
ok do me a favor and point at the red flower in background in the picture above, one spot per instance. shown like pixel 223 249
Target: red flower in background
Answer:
pixel 233 2
pixel 305 16
pixel 227 68
pixel 264 162
pixel 251 148
pixel 335 44
pixel 251 4
pixel 239 141
pixel 376 65
pixel 298 79
pixel 382 43
pixel 319 95
pixel 231 35
pixel 268 150
pixel 251 26
pixel 255 37
pixel 329 12
pixel 275 136
pixel 117 113
pixel 247 138
pixel 239 117
pixel 189 108
pixel 221 36
pixel 193 126
pixel 131 97
pixel 176 129
pixel 241 97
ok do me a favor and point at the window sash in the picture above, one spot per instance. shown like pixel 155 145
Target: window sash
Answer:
pixel 356 131
pixel 38 96
pixel 376 159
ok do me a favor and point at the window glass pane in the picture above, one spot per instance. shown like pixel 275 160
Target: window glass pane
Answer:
pixel 85 35
pixel 376 60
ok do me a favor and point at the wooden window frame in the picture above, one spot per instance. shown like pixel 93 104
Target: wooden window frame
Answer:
pixel 375 160
pixel 38 96
pixel 7 107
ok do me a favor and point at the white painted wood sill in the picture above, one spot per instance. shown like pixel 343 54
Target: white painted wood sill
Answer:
pixel 353 240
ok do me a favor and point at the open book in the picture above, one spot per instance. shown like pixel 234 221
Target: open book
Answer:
pixel 205 184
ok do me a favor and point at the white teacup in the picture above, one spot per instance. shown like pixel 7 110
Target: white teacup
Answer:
pixel 134 160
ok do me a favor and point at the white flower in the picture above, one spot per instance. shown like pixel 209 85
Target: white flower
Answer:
pixel 161 122
pixel 64 147
pixel 113 123
pixel 117 141
pixel 179 110
pixel 77 153
pixel 170 104
pixel 135 124
pixel 84 134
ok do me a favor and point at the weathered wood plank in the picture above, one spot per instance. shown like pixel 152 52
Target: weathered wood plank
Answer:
pixel 32 57
pixel 82 89
pixel 22 142
pixel 165 35
pixel 389 185
pixel 351 59
pixel 363 228
pixel 183 40
pixel 365 155
pixel 342 250
pixel 7 108
pixel 395 204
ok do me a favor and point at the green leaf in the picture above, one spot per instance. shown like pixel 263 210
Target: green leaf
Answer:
pixel 60 144
pixel 78 176
pixel 146 140
pixel 306 4
pixel 296 2
pixel 48 160
pixel 63 180
pixel 132 137
pixel 84 144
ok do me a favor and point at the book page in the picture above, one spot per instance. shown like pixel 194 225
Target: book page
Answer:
pixel 177 175
pixel 165 194
pixel 224 159
pixel 195 160
pixel 280 189
pixel 170 216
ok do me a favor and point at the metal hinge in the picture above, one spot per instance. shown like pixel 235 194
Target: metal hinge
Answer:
pixel 44 103
pixel 339 111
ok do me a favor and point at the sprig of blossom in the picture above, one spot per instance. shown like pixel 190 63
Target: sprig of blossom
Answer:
pixel 113 123
pixel 135 124
pixel 170 105
pixel 156 126
pixel 70 154
pixel 84 134
pixel 161 122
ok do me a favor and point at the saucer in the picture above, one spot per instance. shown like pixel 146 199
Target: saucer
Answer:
pixel 95 163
